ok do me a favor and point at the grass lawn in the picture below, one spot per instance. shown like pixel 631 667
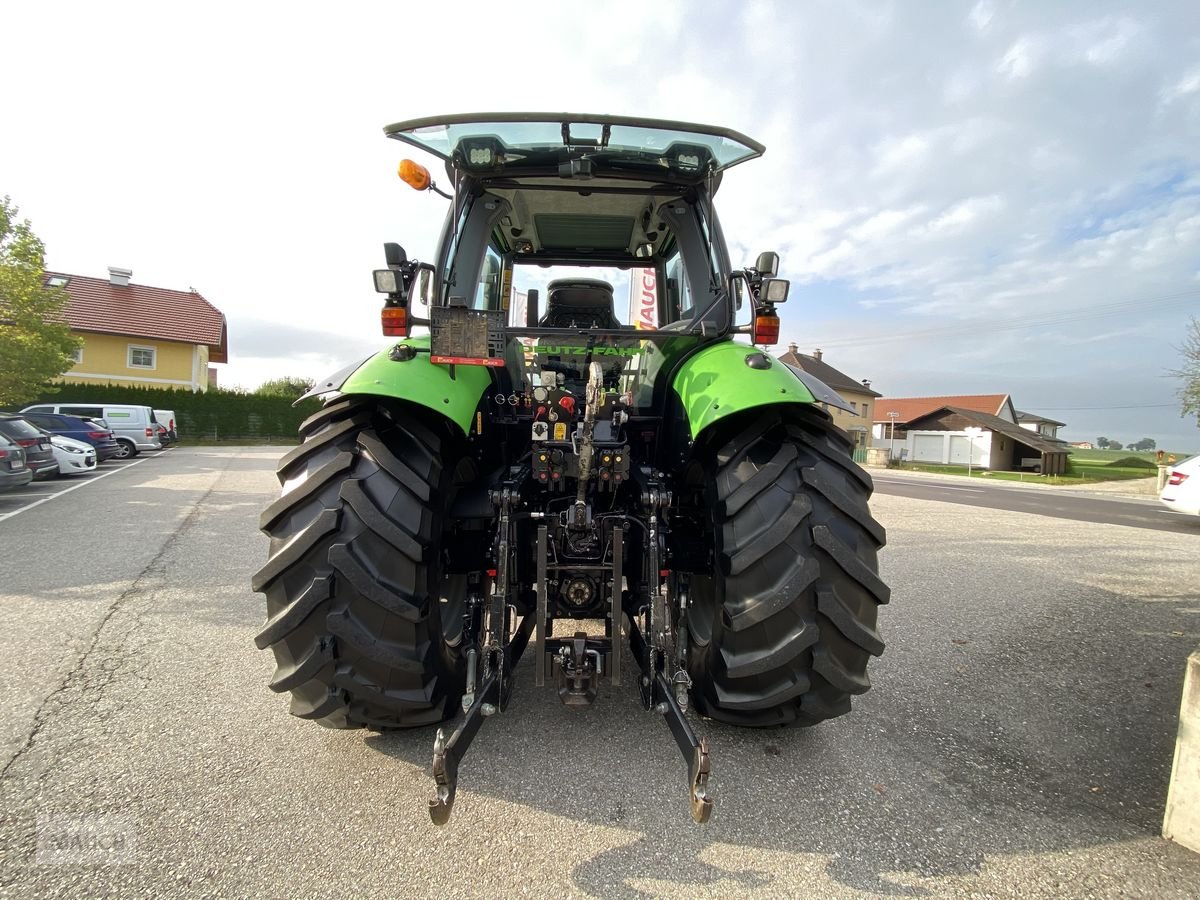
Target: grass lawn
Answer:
pixel 1101 457
pixel 1085 474
pixel 1083 467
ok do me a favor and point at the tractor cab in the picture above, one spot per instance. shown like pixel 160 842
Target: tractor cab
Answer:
pixel 579 239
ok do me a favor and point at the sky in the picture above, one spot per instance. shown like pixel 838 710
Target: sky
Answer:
pixel 995 197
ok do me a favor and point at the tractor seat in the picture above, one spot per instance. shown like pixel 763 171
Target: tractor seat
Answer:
pixel 579 303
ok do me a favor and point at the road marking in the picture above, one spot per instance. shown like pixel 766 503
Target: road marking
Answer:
pixel 68 490
pixel 940 487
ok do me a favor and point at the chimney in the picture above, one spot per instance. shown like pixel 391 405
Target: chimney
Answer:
pixel 866 382
pixel 793 347
pixel 119 277
pixel 817 353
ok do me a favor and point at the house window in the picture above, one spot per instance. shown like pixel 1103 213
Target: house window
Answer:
pixel 854 406
pixel 866 411
pixel 57 281
pixel 77 355
pixel 141 357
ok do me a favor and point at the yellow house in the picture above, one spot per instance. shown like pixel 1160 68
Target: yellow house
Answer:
pixel 134 334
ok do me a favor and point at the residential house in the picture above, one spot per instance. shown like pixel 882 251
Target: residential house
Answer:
pixel 956 430
pixel 857 394
pixel 134 334
pixel 1047 428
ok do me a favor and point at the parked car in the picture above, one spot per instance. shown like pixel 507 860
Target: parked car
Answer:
pixel 36 443
pixel 1182 490
pixel 78 428
pixel 167 417
pixel 132 425
pixel 13 471
pixel 164 436
pixel 73 457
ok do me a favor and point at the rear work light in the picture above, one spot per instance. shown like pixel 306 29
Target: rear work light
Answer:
pixel 766 330
pixel 1176 478
pixel 394 320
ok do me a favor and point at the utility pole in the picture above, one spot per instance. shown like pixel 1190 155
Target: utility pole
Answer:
pixel 892 443
pixel 972 432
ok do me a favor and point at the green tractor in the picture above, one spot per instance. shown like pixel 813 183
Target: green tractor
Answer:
pixel 574 426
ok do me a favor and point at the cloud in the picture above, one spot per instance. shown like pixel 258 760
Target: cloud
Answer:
pixel 927 165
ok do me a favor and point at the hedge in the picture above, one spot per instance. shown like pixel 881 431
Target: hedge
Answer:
pixel 215 414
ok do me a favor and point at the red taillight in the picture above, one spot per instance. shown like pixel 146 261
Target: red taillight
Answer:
pixel 3 454
pixel 149 432
pixel 394 320
pixel 97 435
pixel 766 330
pixel 26 442
pixel 1177 478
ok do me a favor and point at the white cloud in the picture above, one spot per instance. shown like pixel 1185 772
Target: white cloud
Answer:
pixel 1106 40
pixel 981 15
pixel 1186 85
pixel 1023 57
pixel 925 165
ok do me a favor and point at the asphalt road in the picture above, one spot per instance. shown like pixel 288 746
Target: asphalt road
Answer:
pixel 1017 741
pixel 1041 500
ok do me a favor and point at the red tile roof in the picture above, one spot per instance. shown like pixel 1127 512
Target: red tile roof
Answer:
pixel 910 408
pixel 137 310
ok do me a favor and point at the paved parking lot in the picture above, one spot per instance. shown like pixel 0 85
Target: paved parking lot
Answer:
pixel 15 501
pixel 1017 741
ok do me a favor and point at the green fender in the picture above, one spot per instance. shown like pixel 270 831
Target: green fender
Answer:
pixel 718 382
pixel 419 381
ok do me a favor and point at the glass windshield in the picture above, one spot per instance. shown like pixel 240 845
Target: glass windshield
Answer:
pixel 573 302
pixel 524 141
pixel 586 296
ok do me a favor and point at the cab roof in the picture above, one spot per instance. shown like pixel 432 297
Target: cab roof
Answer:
pixel 578 145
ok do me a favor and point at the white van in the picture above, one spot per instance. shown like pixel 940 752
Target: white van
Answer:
pixel 134 427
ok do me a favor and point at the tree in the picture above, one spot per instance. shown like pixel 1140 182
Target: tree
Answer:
pixel 287 386
pixel 36 344
pixel 1144 444
pixel 1115 445
pixel 1189 393
pixel 1103 443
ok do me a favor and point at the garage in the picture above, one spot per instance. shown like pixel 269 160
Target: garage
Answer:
pixel 927 447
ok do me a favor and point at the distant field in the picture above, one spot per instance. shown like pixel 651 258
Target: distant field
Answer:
pixel 1106 456
pixel 1083 467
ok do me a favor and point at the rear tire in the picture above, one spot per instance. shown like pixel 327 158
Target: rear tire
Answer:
pixel 126 449
pixel 783 630
pixel 355 593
